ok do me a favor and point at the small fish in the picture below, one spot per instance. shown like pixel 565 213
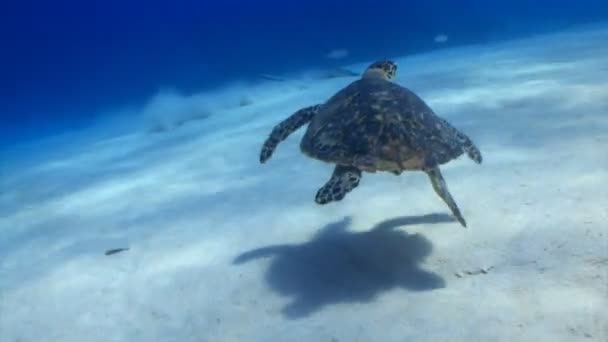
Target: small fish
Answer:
pixel 115 250
pixel 337 54
pixel 271 78
pixel 339 72
pixel 441 38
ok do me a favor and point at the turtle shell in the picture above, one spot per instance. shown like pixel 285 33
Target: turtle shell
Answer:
pixel 380 125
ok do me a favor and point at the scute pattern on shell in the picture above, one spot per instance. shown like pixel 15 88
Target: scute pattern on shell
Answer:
pixel 380 119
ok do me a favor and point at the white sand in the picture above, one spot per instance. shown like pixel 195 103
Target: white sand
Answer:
pixel 225 249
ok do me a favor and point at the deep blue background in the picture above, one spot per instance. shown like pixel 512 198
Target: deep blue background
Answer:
pixel 61 62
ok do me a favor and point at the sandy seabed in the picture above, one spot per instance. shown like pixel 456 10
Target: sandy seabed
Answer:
pixel 222 248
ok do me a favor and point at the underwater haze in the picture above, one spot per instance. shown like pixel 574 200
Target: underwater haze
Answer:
pixel 137 202
pixel 65 63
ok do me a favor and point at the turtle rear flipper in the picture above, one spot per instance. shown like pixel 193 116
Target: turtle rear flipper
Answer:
pixel 441 189
pixel 282 130
pixel 342 181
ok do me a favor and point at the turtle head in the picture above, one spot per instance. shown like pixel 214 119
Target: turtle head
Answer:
pixel 385 69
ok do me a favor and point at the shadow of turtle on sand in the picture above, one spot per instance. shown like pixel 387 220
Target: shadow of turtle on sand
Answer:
pixel 339 265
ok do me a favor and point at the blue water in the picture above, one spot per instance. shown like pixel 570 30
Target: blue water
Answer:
pixel 64 63
pixel 96 155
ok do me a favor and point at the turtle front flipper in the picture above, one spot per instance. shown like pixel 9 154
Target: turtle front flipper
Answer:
pixel 342 181
pixel 441 189
pixel 471 150
pixel 465 143
pixel 281 131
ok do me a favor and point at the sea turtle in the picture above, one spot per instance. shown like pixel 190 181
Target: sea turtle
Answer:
pixel 374 124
